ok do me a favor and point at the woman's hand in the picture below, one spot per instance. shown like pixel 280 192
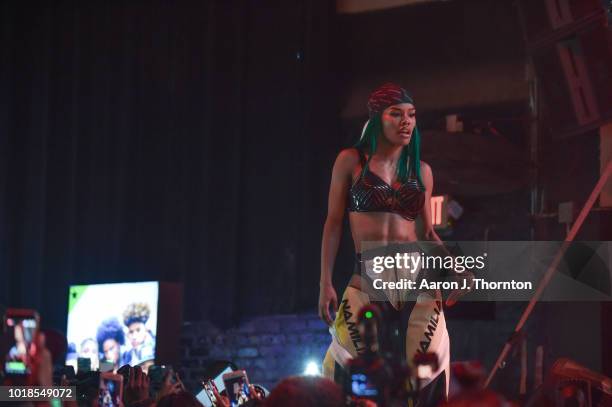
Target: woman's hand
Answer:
pixel 431 235
pixel 454 296
pixel 327 297
pixel 332 230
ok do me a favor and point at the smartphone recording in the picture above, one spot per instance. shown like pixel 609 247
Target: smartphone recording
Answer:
pixel 110 390
pixel 20 327
pixel 237 387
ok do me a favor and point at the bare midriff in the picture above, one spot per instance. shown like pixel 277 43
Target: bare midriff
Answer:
pixel 381 227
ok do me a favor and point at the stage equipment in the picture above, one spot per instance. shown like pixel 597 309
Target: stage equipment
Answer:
pixel 552 268
pixel 468 164
pixel 570 44
pixel 570 384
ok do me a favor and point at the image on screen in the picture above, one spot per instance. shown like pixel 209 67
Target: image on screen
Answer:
pixel 237 390
pixel 362 387
pixel 112 323
pixel 109 395
pixel 21 334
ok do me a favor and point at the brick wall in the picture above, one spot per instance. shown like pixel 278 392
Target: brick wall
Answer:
pixel 269 348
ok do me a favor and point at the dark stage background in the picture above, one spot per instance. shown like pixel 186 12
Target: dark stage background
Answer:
pixel 183 141
pixel 192 141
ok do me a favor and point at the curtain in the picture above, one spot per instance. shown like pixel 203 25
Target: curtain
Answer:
pixel 187 141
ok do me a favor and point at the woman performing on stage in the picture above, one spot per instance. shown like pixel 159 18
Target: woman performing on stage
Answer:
pixel 385 187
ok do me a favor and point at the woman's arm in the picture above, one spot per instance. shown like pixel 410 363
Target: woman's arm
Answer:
pixel 332 231
pixel 428 181
pixel 430 234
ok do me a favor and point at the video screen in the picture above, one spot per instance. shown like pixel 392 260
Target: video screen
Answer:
pixel 112 324
pixel 20 333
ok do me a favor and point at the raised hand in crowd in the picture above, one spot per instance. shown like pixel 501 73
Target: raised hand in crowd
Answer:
pixel 222 401
pixel 170 388
pixel 255 397
pixel 42 364
pixel 136 392
pixel 255 394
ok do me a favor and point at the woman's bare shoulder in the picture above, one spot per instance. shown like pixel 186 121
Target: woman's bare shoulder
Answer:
pixel 425 168
pixel 347 159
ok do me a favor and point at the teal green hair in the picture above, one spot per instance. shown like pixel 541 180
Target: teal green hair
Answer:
pixel 409 157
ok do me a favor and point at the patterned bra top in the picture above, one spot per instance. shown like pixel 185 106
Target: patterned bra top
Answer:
pixel 370 193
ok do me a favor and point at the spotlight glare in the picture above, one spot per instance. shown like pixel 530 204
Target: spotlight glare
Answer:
pixel 312 369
